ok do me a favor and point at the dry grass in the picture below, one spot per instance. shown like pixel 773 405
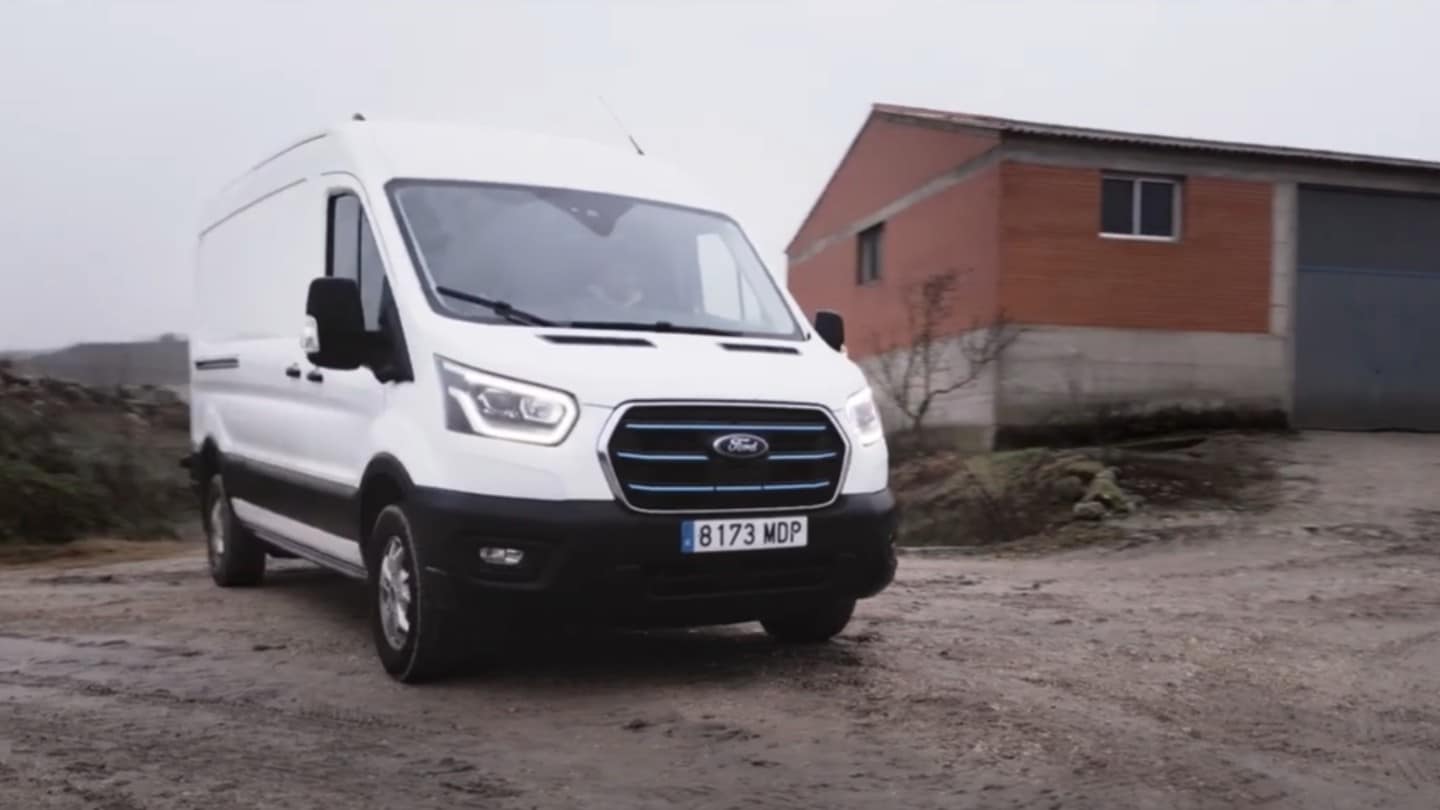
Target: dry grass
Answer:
pixel 1027 496
pixel 74 471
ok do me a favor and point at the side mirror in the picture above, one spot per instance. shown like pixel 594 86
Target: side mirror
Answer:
pixel 831 328
pixel 335 335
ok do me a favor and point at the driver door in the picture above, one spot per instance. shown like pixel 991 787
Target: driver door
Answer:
pixel 347 402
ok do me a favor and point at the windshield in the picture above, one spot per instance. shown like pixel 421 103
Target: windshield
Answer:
pixel 565 257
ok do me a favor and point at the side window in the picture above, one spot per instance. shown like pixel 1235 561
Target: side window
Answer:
pixel 1140 207
pixel 725 290
pixel 372 277
pixel 867 264
pixel 343 258
pixel 352 254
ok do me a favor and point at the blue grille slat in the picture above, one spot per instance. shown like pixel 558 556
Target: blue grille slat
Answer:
pixel 725 426
pixel 663 459
pixel 729 487
pixel 661 456
pixel 796 487
pixel 696 457
pixel 669 488
pixel 825 456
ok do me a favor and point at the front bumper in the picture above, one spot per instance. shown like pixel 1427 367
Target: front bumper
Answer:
pixel 596 560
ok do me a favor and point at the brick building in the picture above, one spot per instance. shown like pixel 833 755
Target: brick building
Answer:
pixel 1145 273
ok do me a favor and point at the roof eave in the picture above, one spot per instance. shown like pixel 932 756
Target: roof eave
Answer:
pixel 830 181
pixel 1012 127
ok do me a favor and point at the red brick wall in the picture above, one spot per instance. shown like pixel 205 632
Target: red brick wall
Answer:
pixel 1058 270
pixel 955 229
pixel 888 161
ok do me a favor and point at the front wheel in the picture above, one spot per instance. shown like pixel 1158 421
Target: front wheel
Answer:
pixel 411 633
pixel 236 557
pixel 810 625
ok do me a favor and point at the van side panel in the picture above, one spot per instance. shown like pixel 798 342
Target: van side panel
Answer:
pixel 255 266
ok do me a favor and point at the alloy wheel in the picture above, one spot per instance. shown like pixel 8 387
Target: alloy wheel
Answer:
pixel 396 593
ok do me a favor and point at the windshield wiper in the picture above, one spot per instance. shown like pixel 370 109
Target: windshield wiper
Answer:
pixel 653 326
pixel 501 308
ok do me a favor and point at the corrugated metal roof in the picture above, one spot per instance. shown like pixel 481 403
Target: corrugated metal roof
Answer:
pixel 1009 125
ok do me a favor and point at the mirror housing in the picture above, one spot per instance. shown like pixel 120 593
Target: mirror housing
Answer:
pixel 335 335
pixel 830 326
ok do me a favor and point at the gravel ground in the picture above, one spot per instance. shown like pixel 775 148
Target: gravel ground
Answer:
pixel 1287 659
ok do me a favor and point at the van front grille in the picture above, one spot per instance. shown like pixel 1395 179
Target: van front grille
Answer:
pixel 665 458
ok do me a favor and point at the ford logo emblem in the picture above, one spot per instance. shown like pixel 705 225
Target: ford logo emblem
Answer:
pixel 740 445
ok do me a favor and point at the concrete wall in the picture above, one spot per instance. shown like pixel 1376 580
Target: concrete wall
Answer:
pixel 1284 249
pixel 1058 376
pixel 968 414
pixel 1062 375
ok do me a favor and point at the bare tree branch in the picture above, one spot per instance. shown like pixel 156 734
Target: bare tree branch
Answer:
pixel 924 366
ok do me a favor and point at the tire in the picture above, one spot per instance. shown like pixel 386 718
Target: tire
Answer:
pixel 413 637
pixel 812 625
pixel 236 556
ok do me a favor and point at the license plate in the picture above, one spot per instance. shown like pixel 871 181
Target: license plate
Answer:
pixel 742 534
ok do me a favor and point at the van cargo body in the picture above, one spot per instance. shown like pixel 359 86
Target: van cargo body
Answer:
pixel 505 378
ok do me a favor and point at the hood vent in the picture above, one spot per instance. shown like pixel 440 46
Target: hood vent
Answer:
pixel 762 348
pixel 598 340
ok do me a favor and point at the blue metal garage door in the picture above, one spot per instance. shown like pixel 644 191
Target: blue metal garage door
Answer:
pixel 1367 311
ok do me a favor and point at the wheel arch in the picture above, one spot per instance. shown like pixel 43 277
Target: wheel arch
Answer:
pixel 203 464
pixel 385 482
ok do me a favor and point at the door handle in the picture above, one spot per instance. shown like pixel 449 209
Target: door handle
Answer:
pixel 315 376
pixel 293 372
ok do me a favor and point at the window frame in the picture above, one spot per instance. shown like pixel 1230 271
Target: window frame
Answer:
pixel 743 287
pixel 363 225
pixel 332 201
pixel 1137 181
pixel 875 235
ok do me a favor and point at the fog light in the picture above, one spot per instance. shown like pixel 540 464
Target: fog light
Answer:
pixel 497 555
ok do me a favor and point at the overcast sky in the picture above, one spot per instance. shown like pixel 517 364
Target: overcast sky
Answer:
pixel 117 118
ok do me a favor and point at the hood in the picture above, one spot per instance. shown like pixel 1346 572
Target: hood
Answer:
pixel 672 366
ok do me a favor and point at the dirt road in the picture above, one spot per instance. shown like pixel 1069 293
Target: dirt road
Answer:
pixel 1288 659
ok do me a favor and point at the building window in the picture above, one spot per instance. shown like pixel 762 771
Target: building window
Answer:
pixel 1140 207
pixel 868 257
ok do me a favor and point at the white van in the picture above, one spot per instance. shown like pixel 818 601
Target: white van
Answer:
pixel 504 377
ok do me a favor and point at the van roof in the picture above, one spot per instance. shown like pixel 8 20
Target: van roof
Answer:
pixel 385 150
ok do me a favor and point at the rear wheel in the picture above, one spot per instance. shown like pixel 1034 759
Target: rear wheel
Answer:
pixel 810 625
pixel 413 636
pixel 237 557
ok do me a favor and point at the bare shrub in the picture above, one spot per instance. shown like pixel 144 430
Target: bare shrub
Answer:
pixel 923 366
pixel 951 499
pixel 1007 507
pixel 66 473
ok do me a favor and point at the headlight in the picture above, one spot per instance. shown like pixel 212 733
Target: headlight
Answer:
pixel 864 417
pixel 502 408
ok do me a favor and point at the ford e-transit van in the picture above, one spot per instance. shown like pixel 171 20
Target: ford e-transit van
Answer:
pixel 503 377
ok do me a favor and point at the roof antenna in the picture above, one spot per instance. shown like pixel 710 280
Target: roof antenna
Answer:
pixel 357 117
pixel 621 125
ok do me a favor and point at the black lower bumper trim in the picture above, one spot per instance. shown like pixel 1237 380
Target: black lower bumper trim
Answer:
pixel 599 560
